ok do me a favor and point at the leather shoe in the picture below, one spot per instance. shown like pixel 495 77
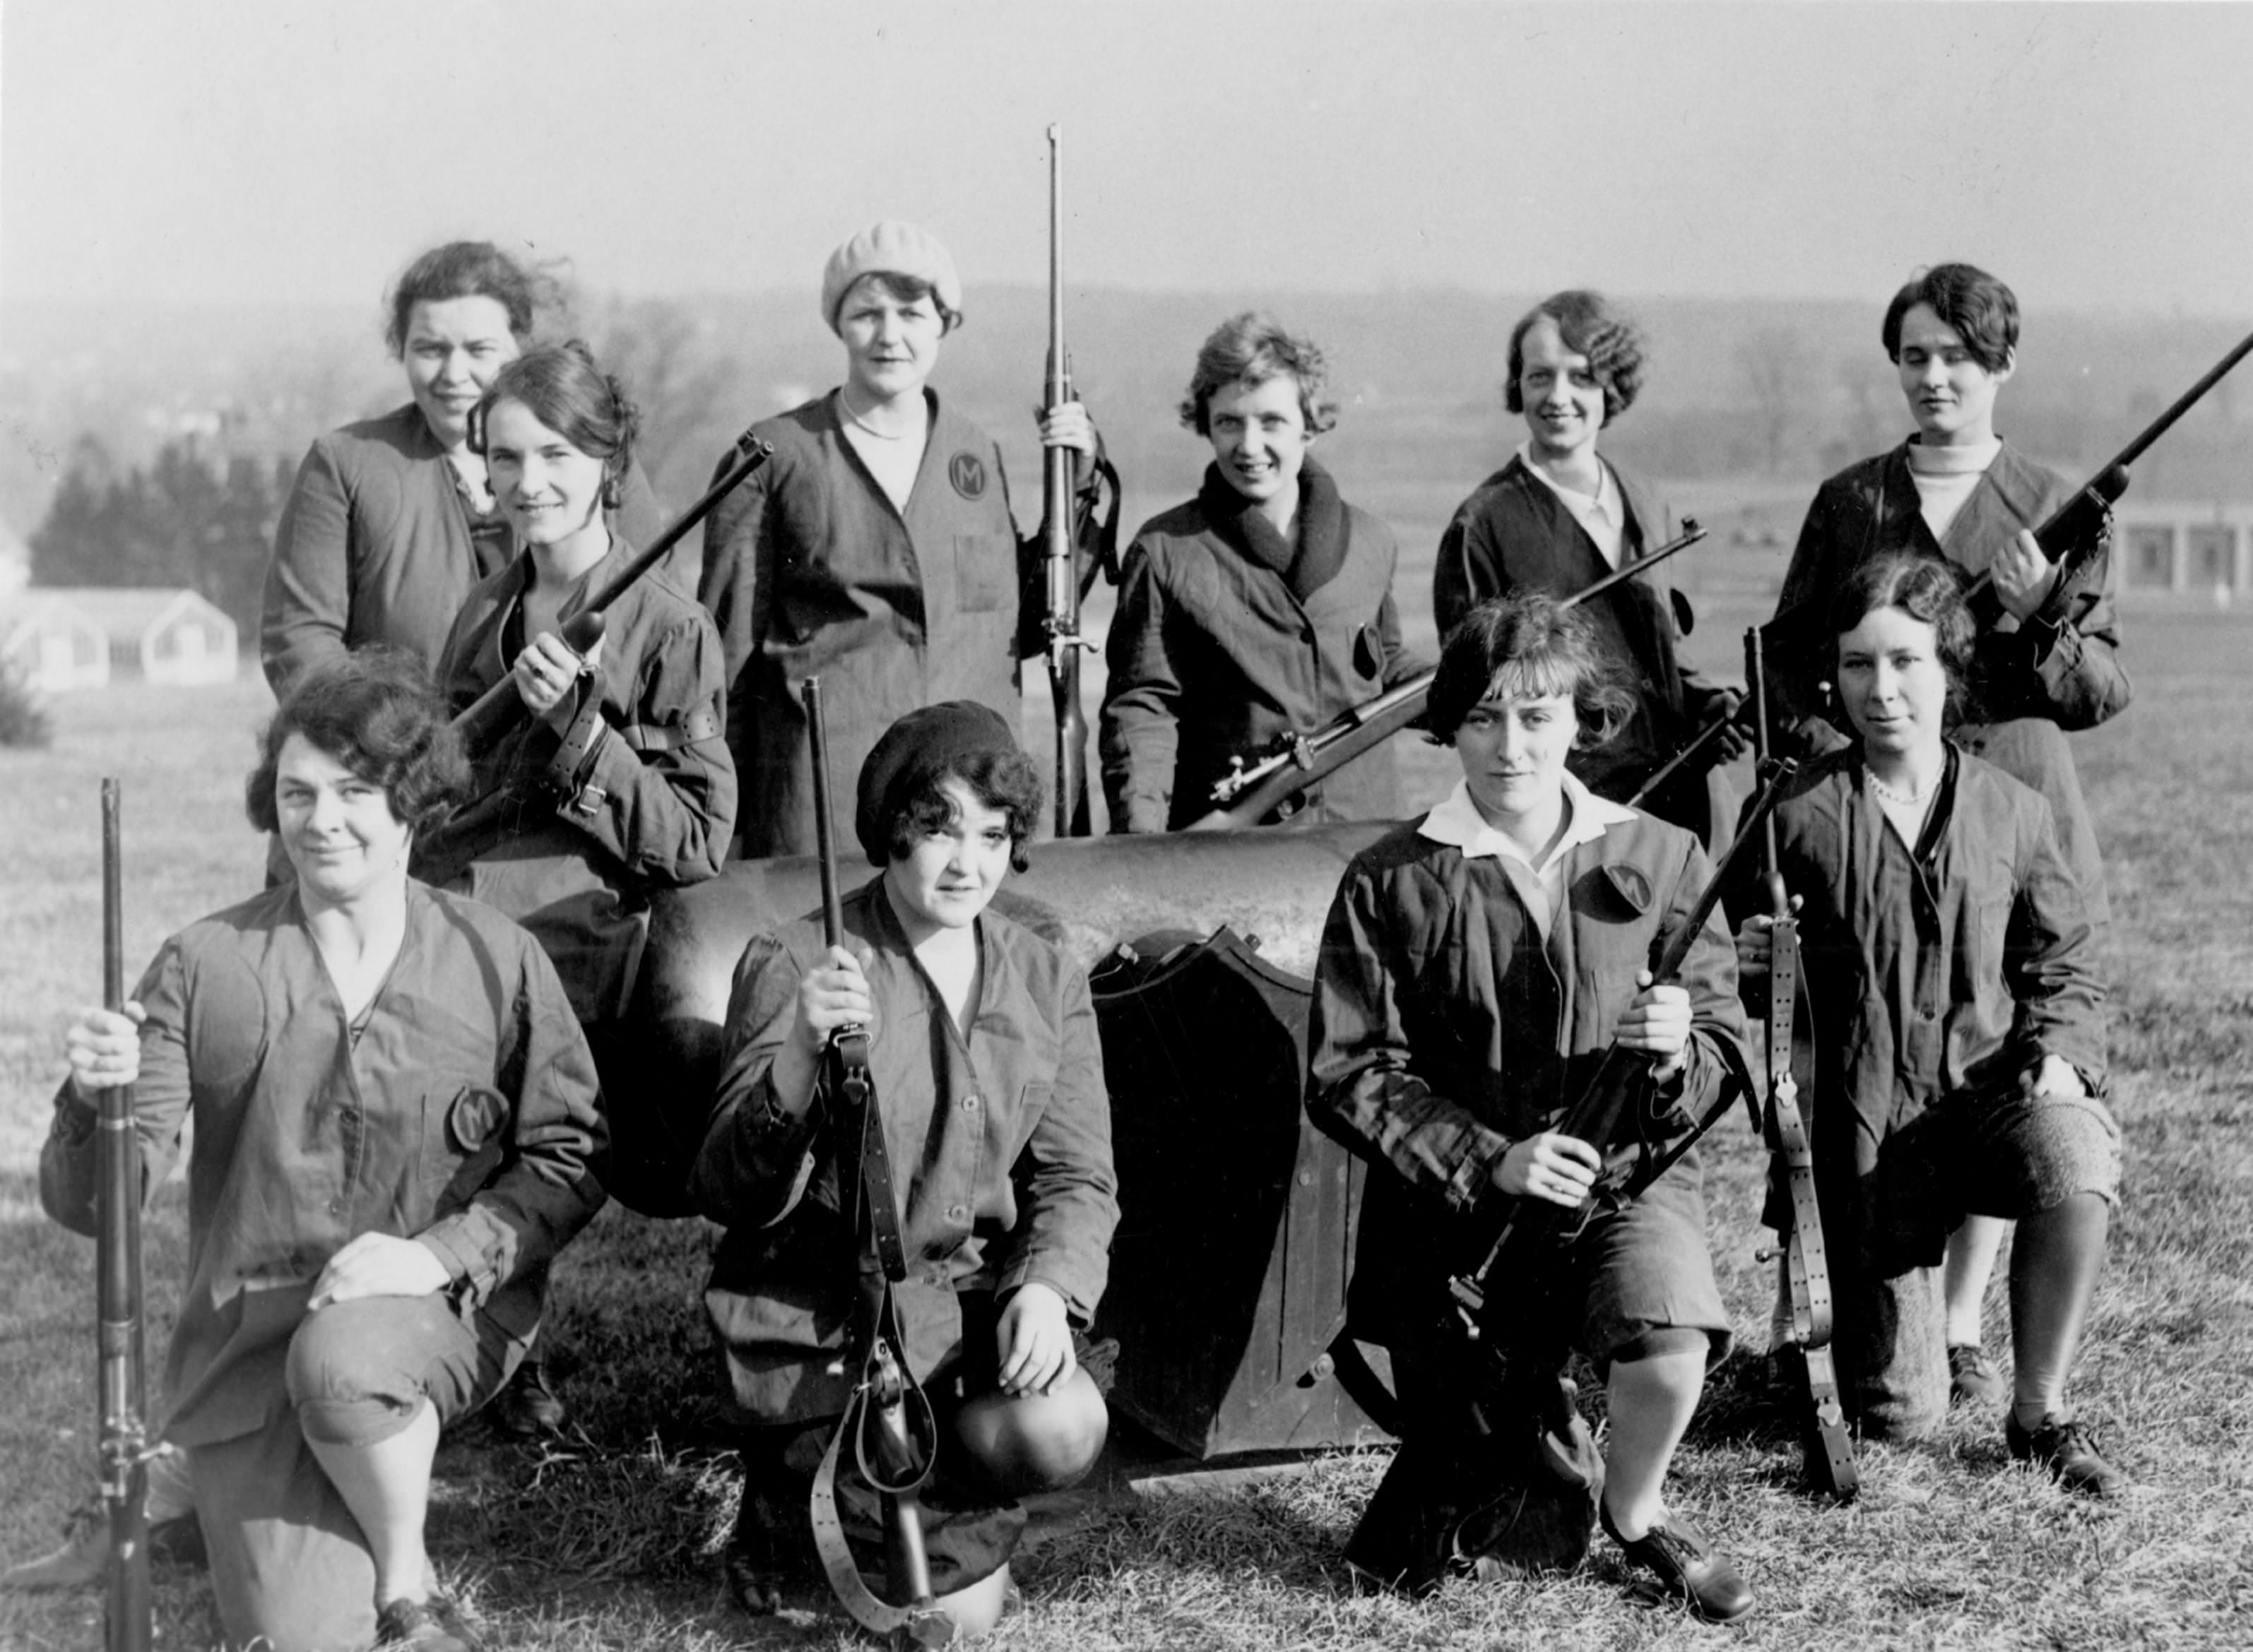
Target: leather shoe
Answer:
pixel 1972 1378
pixel 527 1408
pixel 1687 1564
pixel 2067 1447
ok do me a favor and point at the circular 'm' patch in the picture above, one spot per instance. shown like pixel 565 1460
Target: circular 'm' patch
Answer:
pixel 967 472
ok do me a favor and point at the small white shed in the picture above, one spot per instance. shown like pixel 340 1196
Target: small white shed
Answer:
pixel 51 644
pixel 161 635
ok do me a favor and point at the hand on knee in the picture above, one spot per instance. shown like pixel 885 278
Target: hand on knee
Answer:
pixel 1034 1442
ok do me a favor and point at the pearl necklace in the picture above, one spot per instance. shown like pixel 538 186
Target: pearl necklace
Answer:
pixel 1910 800
pixel 844 402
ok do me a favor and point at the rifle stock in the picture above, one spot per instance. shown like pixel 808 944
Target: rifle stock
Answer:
pixel 483 722
pixel 123 1441
pixel 1249 791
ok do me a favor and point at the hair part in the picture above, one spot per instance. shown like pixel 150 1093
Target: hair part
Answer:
pixel 1528 645
pixel 1983 312
pixel 1007 780
pixel 1590 327
pixel 470 269
pixel 1924 587
pixel 566 389
pixel 376 713
pixel 1250 349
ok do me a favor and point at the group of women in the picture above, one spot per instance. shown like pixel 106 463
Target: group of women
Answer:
pixel 1477 958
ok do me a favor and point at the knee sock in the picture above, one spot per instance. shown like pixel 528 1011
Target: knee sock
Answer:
pixel 2053 1268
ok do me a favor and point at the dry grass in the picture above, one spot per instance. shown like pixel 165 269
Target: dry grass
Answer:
pixel 610 1542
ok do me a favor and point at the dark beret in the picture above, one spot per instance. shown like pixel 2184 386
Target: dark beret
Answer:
pixel 914 752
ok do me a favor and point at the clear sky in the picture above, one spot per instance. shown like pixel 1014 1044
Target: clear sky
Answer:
pixel 273 150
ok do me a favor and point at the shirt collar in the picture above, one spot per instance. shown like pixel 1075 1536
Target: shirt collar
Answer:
pixel 1458 823
pixel 1606 502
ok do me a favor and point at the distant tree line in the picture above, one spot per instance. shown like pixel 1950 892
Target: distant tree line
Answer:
pixel 189 518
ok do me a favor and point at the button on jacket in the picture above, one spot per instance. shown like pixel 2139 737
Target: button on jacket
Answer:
pixel 465 1115
pixel 1444 1031
pixel 999 1146
pixel 810 568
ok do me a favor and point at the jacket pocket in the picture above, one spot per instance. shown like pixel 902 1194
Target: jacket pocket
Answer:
pixel 1368 651
pixel 985 572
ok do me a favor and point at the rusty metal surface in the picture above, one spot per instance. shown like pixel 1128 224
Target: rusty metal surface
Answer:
pixel 1088 895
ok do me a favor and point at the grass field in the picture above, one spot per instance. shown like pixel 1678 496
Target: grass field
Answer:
pixel 611 1542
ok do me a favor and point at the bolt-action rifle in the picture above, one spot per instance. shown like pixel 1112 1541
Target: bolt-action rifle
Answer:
pixel 2070 539
pixel 483 723
pixel 123 1391
pixel 1806 1359
pixel 888 1419
pixel 1520 1493
pixel 1059 547
pixel 1245 795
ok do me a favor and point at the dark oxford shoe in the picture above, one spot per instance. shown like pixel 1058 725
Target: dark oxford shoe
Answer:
pixel 1688 1566
pixel 2068 1448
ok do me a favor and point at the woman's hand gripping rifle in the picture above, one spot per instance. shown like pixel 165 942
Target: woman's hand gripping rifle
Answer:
pixel 1806 1359
pixel 888 1419
pixel 1613 1114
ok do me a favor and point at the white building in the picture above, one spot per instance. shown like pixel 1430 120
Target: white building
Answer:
pixel 82 636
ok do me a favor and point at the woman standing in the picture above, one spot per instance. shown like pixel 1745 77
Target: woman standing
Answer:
pixel 1262 607
pixel 1959 1026
pixel 1558 517
pixel 392 519
pixel 876 547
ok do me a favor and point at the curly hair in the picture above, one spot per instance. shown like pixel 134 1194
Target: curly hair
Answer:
pixel 1924 587
pixel 1983 312
pixel 1250 349
pixel 567 391
pixel 1590 327
pixel 376 713
pixel 1007 780
pixel 470 269
pixel 1525 647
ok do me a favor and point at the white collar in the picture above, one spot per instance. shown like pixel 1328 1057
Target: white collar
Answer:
pixel 1603 503
pixel 1457 822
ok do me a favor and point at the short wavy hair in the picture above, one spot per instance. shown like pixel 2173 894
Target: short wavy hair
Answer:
pixel 567 391
pixel 1525 647
pixel 1250 349
pixel 470 269
pixel 376 713
pixel 1589 326
pixel 1924 587
pixel 1983 312
pixel 1004 779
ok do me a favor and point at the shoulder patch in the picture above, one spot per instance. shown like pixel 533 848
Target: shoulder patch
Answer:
pixel 967 472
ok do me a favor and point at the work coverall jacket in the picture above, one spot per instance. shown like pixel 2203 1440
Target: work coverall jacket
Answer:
pixel 2062 668
pixel 1514 533
pixel 811 569
pixel 1212 655
pixel 572 855
pixel 463 1114
pixel 999 1145
pixel 376 544
pixel 1444 1029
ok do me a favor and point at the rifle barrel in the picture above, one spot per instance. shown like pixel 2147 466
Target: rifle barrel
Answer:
pixel 124 1394
pixel 824 831
pixel 497 710
pixel 1059 554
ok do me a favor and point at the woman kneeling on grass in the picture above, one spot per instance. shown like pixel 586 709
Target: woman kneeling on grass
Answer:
pixel 1476 968
pixel 396 1132
pixel 1959 1026
pixel 997 1125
